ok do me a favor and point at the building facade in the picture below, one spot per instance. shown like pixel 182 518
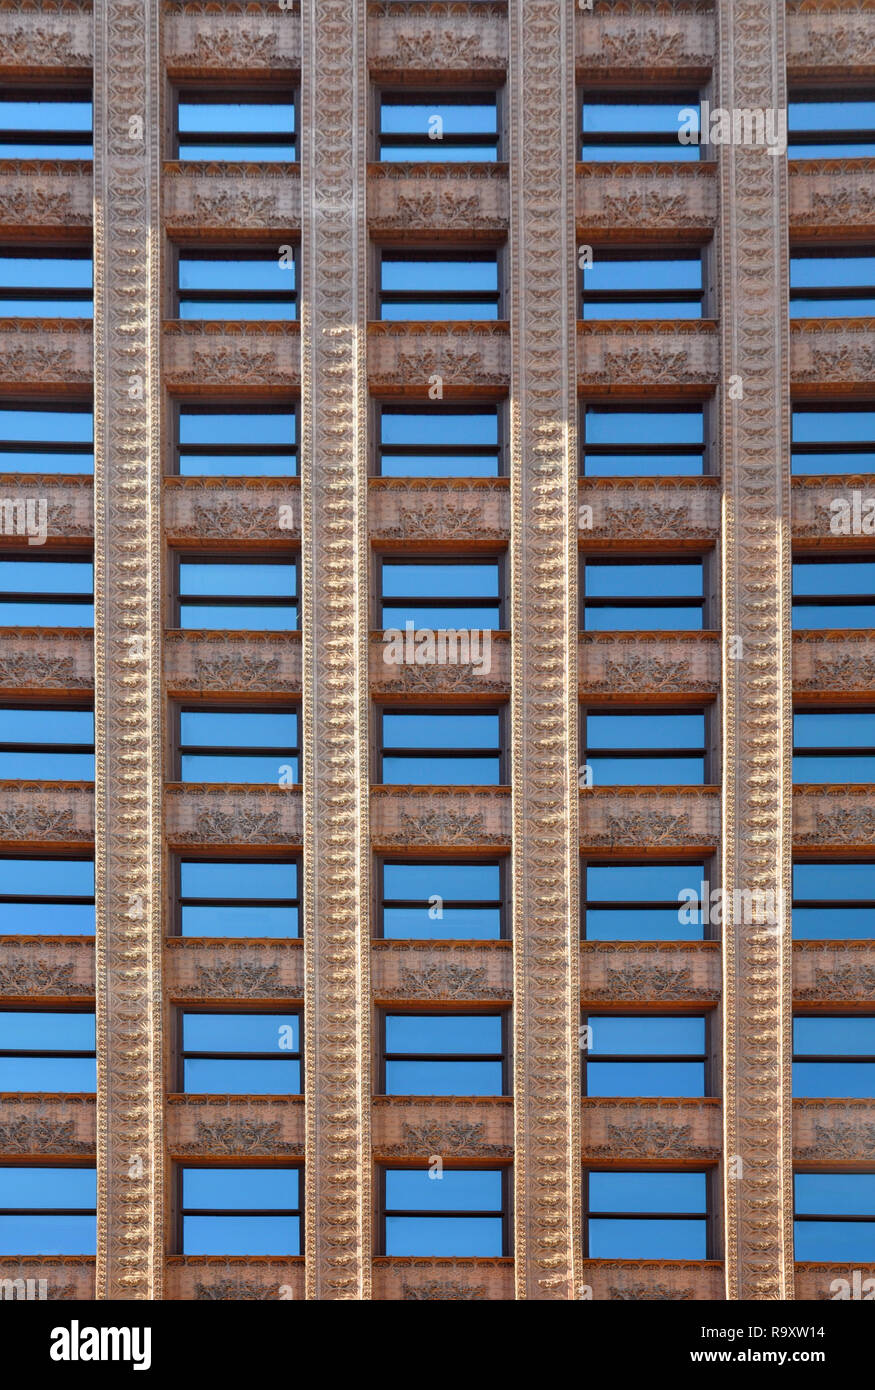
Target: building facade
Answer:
pixel 357 352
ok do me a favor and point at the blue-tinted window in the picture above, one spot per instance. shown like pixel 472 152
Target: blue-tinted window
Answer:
pixel 820 128
pixel 648 595
pixel 442 901
pixel 249 595
pixel 47 1050
pixel 642 902
pixel 419 286
pixel 655 750
pixel 239 898
pixel 444 1055
pixel 640 127
pixel 431 749
pixel 38 125
pixel 254 128
pixel 52 284
pixel 835 1217
pixel 241 1211
pixel 646 441
pixel 441 594
pixel 248 285
pixel 643 1055
pixel 834 1057
pixel 834 746
pixel 445 128
pixel 241 1054
pixel 46 593
pixel 46 744
pixel 48 1211
pixel 243 442
pixel 637 285
pixel 457 1213
pixel 838 440
pixel 439 442
pixel 832 284
pixel 239 746
pixel 834 901
pixel 46 897
pixel 647 1216
pixel 833 593
pixel 46 440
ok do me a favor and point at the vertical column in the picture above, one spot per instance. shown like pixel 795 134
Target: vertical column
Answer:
pixel 752 273
pixel 127 627
pixel 544 637
pixel 337 1217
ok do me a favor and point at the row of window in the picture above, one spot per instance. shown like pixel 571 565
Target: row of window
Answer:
pixel 440 441
pixel 445 127
pixel 440 747
pixel 261 594
pixel 426 1054
pixel 434 285
pixel 443 899
pixel 457 1212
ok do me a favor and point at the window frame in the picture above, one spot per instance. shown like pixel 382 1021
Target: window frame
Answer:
pixel 707 752
pixel 829 407
pixel 835 1058
pixel 601 254
pixel 822 293
pixel 379 752
pixel 502 861
pixel 180 1211
pixel 587 1055
pixel 50 899
pixel 826 600
pixel 630 96
pixel 463 1166
pixel 830 751
pixel 858 135
pixel 210 94
pixel 178 900
pixel 442 252
pixel 234 557
pixel 182 1054
pixel 52 1053
pixel 585 902
pixel 830 902
pixel 417 1011
pixel 614 559
pixel 270 406
pixel 450 406
pixel 45 295
pixel 395 558
pixel 704 451
pixel 52 1211
pixel 708 1216
pixel 179 749
pixel 68 91
pixel 470 95
pixel 77 707
pixel 799 1172
pixel 237 252
pixel 63 598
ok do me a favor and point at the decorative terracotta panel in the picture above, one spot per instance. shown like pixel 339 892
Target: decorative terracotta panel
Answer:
pixel 834 818
pixel 462 41
pixel 660 1133
pixel 665 819
pixel 670 40
pixel 221 816
pixel 465 673
pixel 839 664
pixel 233 663
pixel 830 40
pixel 56 815
pixel 45 352
pixel 440 817
pixel 424 1128
pixel 827 510
pixel 204 358
pixel 654 202
pixel 68 1278
pixel 649 666
pixel 834 1134
pixel 460 359
pixel 652 1281
pixel 832 196
pixel 832 356
pixel 235 1127
pixel 51 969
pixel 47 661
pixel 233 1278
pixel 247 199
pixel 40 197
pixel 468 201
pixel 821 1282
pixel 34 1128
pixel 58 506
pixel 231 39
pixel 684 511
pixel 643 973
pixel 830 974
pixel 235 512
pixel 444 972
pixel 207 970
pixel 47 36
pixel 671 357
pixel 423 513
pixel 414 1280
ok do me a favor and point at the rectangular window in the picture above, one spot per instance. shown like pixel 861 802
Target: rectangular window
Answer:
pixel 428 748
pixel 444 1055
pixel 43 125
pixel 244 285
pixel 655 750
pixel 46 593
pixel 834 1057
pixel 832 284
pixel 819 128
pixel 835 1217
pixel 637 595
pixel 642 285
pixel 46 897
pixel 639 127
pixel 45 743
pixel 439 442
pixel 51 1050
pixel 440 594
pixel 427 286
pixel 253 126
pixel 239 898
pixel 833 594
pixel 46 439
pixel 834 746
pixel 246 595
pixel 646 1215
pixel 228 1054
pixel 642 902
pixel 643 1055
pixel 237 442
pixel 48 1211
pixel 239 746
pixel 52 284
pixel 643 442
pixel 240 1211
pixel 465 1214
pixel 447 127
pixel 442 900
pixel 834 902
pixel 840 439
